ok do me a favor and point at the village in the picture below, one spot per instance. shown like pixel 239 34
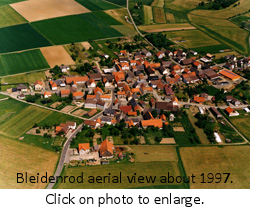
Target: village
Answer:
pixel 141 90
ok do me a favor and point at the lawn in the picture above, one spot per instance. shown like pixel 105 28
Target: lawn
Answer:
pixel 29 78
pixel 242 123
pixel 17 156
pixel 20 37
pixel 95 5
pixel 22 62
pixel 228 159
pixel 56 118
pixel 148 15
pixel 20 122
pixel 159 15
pixel 150 153
pixel 191 38
pixel 127 169
pixel 78 28
pixel 8 17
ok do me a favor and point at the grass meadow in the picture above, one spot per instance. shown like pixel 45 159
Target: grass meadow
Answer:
pixel 29 78
pixel 22 62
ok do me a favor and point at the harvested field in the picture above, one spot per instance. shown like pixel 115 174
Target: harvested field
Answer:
pixel 20 37
pixel 167 141
pixel 159 15
pixel 57 55
pixel 165 27
pixel 84 27
pixel 232 159
pixel 8 17
pixel 68 108
pixel 22 62
pixel 56 104
pixel 45 9
pixel 17 156
pixel 86 45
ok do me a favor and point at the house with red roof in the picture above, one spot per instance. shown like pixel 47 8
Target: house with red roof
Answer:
pixel 231 112
pixel 84 148
pixel 106 149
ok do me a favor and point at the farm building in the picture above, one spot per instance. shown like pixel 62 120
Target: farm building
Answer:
pixel 106 149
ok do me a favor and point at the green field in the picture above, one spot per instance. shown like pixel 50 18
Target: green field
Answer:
pixel 55 118
pixel 95 5
pixel 19 122
pixel 191 38
pixel 4 2
pixel 229 159
pixel 242 123
pixel 20 37
pixel 78 28
pixel 118 2
pixel 8 17
pixel 148 15
pixel 22 62
pixel 216 24
pixel 29 78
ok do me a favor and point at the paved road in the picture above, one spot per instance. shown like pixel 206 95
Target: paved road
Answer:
pixel 4 99
pixel 208 106
pixel 66 146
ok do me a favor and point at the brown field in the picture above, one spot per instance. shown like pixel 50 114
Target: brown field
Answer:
pixel 170 18
pixel 229 159
pixel 80 112
pixel 43 9
pixel 56 55
pixel 17 156
pixel 159 15
pixel 68 108
pixel 86 45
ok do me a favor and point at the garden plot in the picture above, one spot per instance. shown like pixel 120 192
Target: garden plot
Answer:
pixel 44 9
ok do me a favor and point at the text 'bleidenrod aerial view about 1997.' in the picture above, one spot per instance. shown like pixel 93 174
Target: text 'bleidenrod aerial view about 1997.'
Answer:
pixel 120 94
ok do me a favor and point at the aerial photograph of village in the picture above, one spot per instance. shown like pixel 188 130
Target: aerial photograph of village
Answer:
pixel 124 94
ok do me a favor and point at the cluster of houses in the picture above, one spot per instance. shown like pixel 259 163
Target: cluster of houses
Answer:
pixel 118 91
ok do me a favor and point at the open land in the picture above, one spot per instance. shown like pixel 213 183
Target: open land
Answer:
pixel 148 14
pixel 30 77
pixel 242 123
pixel 57 55
pixel 166 27
pixel 45 9
pixel 20 157
pixel 159 15
pixel 216 24
pixel 22 62
pixel 8 17
pixel 95 5
pixel 84 27
pixel 228 159
pixel 20 37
